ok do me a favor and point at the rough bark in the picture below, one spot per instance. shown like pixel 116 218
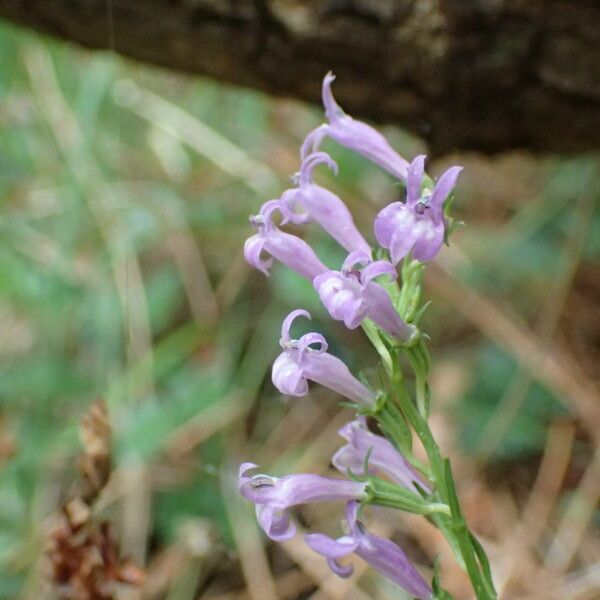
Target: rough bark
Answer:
pixel 464 74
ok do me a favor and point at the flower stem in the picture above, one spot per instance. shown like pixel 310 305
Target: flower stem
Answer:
pixel 441 475
pixel 395 428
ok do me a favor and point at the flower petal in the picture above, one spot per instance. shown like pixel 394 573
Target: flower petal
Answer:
pixel 288 376
pixel 244 468
pixel 390 560
pixel 291 372
pixel 313 160
pixel 306 488
pixel 355 258
pixel 332 108
pixel 348 459
pixel 313 140
pixel 415 177
pixel 287 322
pixel 403 239
pixel 382 312
pixel 326 546
pixel 330 371
pixel 430 238
pixel 276 524
pixel 384 458
pixel 306 342
pixel 294 253
pixel 444 186
pixel 291 200
pixel 347 430
pixel 253 248
pixel 352 509
pixel 384 225
pixel 343 571
pixel 332 214
pixel 280 493
pixel 377 268
pixel 355 135
pixel 342 297
pixel 266 213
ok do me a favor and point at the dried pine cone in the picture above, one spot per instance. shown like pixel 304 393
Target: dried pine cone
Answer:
pixel 84 557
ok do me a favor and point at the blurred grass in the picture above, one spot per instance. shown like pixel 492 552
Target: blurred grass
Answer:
pixel 125 194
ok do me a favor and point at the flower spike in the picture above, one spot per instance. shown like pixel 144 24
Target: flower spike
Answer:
pixel 382 469
pixel 353 134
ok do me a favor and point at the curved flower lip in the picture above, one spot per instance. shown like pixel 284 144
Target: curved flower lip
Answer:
pixel 372 268
pixel 253 248
pixel 311 161
pixel 322 206
pixel 382 554
pixel 353 134
pixel 306 341
pixel 301 362
pixel 286 325
pixel 416 225
pixel 288 249
pixel 274 496
pixel 383 458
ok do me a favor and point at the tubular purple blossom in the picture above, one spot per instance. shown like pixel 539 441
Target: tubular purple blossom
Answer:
pixel 274 496
pixel 288 249
pixel 383 457
pixel 300 362
pixel 416 225
pixel 323 206
pixel 350 295
pixel 356 135
pixel 382 554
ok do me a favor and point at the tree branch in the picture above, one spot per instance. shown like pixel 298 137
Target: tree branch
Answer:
pixel 464 74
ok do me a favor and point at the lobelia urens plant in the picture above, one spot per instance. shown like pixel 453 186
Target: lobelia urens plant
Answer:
pixel 381 469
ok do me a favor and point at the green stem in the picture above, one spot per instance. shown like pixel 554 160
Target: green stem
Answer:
pixel 444 483
pixel 421 428
pixel 372 333
pixel 393 418
pixel 422 401
pixel 394 427
pixel 419 359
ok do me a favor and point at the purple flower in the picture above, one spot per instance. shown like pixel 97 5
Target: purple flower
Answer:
pixel 274 496
pixel 417 224
pixel 350 295
pixel 382 554
pixel 383 457
pixel 300 362
pixel 323 206
pixel 288 249
pixel 357 136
